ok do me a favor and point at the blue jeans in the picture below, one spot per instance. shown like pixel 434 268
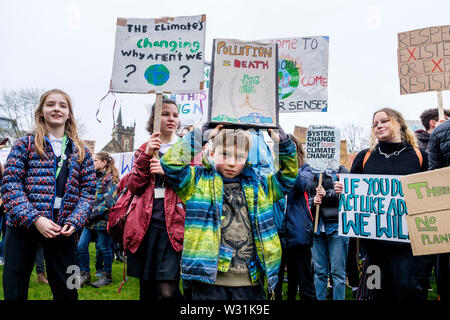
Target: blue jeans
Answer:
pixel 329 250
pixel 104 244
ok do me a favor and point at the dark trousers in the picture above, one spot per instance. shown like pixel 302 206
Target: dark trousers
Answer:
pixel 204 291
pixel 279 286
pixel 300 274
pixel 404 277
pixel 352 263
pixel 20 256
pixel 443 276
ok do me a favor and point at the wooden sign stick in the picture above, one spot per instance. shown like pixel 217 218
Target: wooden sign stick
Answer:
pixel 440 107
pixel 316 222
pixel 157 120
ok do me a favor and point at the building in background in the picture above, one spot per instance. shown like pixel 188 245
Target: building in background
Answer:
pixel 122 137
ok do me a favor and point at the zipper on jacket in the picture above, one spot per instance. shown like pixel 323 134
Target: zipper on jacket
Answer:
pixel 54 167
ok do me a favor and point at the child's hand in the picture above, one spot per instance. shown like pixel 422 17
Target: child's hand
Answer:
pixel 209 134
pixel 47 227
pixel 338 187
pixel 320 191
pixel 153 143
pixel 317 200
pixel 277 137
pixel 155 166
pixel 67 230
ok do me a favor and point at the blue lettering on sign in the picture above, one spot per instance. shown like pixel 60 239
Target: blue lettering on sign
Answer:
pixel 126 168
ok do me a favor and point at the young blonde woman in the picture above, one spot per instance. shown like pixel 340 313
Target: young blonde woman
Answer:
pixel 48 190
pixel 393 151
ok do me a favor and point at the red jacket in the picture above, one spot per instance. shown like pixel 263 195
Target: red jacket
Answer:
pixel 141 183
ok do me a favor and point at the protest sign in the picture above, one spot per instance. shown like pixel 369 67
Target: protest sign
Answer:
pixel 423 60
pixel 193 107
pixel 427 195
pixel 303 73
pixel 414 125
pixel 243 84
pixel 343 160
pixel 156 55
pixel 4 152
pixel 323 145
pixel 300 133
pixel 372 207
pixel 124 162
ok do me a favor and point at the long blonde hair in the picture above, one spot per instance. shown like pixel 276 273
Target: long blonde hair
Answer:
pixel 396 119
pixel 40 129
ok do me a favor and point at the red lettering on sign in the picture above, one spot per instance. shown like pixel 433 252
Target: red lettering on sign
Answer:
pixel 436 65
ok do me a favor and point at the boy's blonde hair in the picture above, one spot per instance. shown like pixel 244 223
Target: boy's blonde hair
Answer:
pixel 239 138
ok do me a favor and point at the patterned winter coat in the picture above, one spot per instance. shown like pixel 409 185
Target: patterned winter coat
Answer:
pixel 201 189
pixel 29 186
pixel 105 198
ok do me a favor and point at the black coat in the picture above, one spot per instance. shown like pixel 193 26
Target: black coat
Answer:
pixel 439 147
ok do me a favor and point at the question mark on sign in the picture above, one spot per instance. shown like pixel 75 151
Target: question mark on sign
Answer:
pixel 184 75
pixel 134 70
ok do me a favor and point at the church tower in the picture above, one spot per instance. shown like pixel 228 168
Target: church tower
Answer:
pixel 122 137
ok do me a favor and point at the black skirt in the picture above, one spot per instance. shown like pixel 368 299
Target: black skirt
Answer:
pixel 155 258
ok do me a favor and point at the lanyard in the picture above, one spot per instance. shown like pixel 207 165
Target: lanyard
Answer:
pixel 63 156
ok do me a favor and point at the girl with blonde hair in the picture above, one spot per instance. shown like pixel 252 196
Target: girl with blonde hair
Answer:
pixel 393 151
pixel 48 190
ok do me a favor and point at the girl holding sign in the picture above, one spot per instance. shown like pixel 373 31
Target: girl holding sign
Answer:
pixel 154 252
pixel 48 191
pixel 393 151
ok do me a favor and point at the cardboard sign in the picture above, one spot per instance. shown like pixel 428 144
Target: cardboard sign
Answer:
pixel 303 73
pixel 423 60
pixel 124 162
pixel 244 84
pixel 193 107
pixel 300 133
pixel 323 144
pixel 152 55
pixel 427 195
pixel 372 207
pixel 343 160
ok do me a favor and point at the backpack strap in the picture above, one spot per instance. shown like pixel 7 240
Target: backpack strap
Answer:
pixel 419 155
pixel 366 157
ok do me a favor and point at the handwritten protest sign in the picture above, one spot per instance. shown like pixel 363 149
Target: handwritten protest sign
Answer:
pixel 372 207
pixel 124 162
pixel 193 107
pixel 243 84
pixel 155 54
pixel 303 73
pixel 427 195
pixel 323 144
pixel 423 60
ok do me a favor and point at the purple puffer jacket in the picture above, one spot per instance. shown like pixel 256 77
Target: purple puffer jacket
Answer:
pixel 29 186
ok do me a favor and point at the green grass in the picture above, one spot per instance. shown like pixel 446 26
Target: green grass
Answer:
pixel 130 290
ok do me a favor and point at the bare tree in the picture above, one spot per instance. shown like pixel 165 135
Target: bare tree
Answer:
pixel 357 137
pixel 17 107
pixel 17 110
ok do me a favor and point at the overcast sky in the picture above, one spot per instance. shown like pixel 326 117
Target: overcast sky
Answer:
pixel 69 44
